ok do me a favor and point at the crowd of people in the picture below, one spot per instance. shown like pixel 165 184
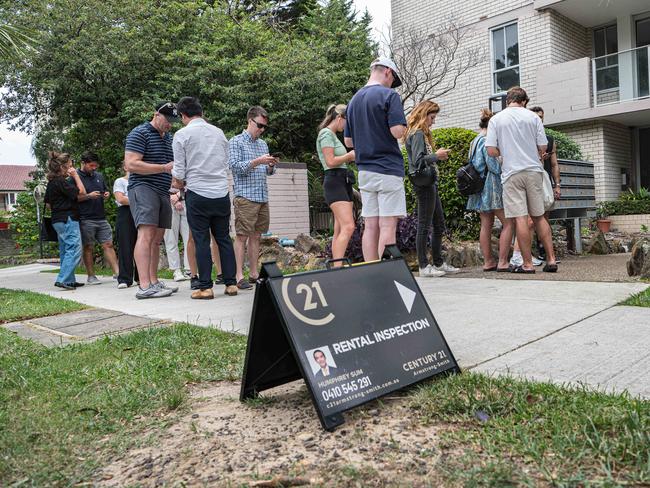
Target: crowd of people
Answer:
pixel 179 184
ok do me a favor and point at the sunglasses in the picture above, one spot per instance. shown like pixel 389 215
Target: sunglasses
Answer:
pixel 260 126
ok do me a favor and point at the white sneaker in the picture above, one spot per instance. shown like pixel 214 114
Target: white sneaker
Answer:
pixel 179 276
pixel 93 280
pixel 431 272
pixel 537 261
pixel 152 292
pixel 446 268
pixel 516 259
pixel 161 285
pixel 121 286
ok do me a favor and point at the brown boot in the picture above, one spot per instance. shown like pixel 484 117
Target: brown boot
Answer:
pixel 231 290
pixel 206 294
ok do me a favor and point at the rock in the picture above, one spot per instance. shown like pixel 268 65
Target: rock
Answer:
pixel 598 244
pixel 305 437
pixel 617 246
pixel 639 263
pixel 266 241
pixel 307 244
pixel 464 254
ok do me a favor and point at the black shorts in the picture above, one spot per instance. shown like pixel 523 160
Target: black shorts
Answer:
pixel 337 186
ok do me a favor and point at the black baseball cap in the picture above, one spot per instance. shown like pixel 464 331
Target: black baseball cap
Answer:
pixel 168 109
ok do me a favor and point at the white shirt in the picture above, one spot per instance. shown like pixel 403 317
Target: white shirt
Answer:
pixel 201 159
pixel 121 185
pixel 517 132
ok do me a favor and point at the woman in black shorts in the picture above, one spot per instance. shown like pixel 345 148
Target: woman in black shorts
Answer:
pixel 338 178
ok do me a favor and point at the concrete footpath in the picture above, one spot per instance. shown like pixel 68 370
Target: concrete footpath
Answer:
pixel 560 331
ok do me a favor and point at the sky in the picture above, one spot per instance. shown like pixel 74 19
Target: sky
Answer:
pixel 15 147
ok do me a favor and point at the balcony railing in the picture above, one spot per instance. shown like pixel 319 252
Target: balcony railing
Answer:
pixel 622 76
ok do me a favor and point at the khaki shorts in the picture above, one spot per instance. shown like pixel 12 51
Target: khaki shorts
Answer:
pixel 523 194
pixel 251 217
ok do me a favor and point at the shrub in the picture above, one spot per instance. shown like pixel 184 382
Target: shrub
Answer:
pixel 629 195
pixel 567 148
pixel 623 207
pixel 461 223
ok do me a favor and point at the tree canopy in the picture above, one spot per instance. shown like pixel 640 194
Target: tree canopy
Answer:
pixel 101 66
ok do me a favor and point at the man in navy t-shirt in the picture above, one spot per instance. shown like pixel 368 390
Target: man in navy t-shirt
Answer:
pixel 375 122
pixel 149 159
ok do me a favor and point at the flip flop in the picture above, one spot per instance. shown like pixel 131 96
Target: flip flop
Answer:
pixel 522 270
pixel 505 270
pixel 550 268
pixel 491 268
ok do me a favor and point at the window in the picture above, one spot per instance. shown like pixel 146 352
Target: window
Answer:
pixel 505 58
pixel 10 199
pixel 605 49
pixel 642 40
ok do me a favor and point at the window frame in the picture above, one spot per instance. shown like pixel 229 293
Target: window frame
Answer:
pixel 494 71
pixel 604 27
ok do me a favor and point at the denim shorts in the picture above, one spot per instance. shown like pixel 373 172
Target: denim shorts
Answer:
pixel 95 231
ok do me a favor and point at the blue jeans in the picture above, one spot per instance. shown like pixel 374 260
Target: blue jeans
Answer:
pixel 69 249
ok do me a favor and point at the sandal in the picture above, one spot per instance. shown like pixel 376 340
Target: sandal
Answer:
pixel 505 270
pixel 522 270
pixel 491 268
pixel 550 268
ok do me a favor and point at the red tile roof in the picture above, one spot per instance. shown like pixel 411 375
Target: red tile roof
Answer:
pixel 13 176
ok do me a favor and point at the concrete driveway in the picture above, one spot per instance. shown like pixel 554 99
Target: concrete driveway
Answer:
pixel 560 331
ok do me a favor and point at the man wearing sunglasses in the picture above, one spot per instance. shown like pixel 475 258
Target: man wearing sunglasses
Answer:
pixel 250 163
pixel 148 157
pixel 375 122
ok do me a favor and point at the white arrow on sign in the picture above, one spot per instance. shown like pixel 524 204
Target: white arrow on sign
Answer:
pixel 408 295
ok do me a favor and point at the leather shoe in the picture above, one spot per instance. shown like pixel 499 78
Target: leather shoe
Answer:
pixel 206 294
pixel 231 290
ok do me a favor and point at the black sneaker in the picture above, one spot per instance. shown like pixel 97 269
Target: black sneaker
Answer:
pixel 219 280
pixel 194 283
pixel 76 284
pixel 65 286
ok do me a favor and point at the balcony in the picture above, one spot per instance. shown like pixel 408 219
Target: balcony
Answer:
pixel 621 77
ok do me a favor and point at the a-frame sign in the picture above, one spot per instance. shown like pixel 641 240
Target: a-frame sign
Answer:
pixel 353 333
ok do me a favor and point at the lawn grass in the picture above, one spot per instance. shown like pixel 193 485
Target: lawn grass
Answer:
pixel 509 432
pixel 20 304
pixel 63 410
pixel 641 299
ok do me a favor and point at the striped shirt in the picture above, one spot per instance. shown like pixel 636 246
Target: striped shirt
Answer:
pixel 249 182
pixel 145 140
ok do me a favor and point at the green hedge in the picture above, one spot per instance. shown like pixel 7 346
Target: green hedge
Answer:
pixel 462 224
pixel 567 148
pixel 624 207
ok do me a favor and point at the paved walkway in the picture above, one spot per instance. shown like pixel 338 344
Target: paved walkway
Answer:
pixel 561 331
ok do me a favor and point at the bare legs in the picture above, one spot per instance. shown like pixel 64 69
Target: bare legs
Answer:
pixel 253 242
pixel 343 228
pixel 147 252
pixel 377 234
pixel 487 221
pixel 109 255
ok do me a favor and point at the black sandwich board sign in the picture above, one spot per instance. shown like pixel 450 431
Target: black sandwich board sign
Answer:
pixel 354 333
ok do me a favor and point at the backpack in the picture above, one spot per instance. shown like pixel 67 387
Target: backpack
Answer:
pixel 468 180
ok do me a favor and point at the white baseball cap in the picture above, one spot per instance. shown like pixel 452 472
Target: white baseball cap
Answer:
pixel 388 63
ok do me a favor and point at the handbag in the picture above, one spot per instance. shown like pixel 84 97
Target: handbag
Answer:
pixel 547 189
pixel 48 233
pixel 468 180
pixel 425 176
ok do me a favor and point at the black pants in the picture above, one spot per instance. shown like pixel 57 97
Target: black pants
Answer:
pixel 429 214
pixel 205 215
pixel 127 234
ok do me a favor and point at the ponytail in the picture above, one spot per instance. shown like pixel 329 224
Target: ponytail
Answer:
pixel 332 112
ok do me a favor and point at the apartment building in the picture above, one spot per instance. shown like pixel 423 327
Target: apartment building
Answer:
pixel 586 62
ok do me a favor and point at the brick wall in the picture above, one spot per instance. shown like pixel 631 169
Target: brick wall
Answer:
pixel 629 223
pixel 609 146
pixel 288 200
